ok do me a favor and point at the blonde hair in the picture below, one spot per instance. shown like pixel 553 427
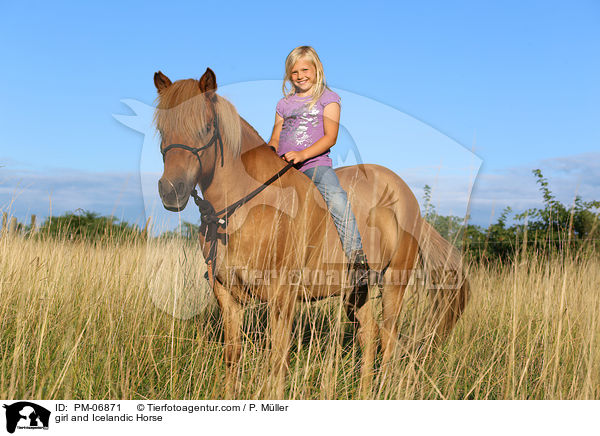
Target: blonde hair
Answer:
pixel 307 53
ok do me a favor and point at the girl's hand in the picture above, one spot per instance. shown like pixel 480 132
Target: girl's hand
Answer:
pixel 295 157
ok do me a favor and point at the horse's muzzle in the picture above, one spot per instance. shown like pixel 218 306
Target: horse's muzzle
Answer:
pixel 173 195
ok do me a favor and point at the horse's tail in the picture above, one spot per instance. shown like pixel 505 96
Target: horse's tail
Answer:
pixel 445 279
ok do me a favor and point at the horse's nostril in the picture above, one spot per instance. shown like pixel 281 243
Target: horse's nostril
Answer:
pixel 180 187
pixel 160 187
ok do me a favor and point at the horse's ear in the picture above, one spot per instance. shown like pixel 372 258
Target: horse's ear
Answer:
pixel 161 81
pixel 208 82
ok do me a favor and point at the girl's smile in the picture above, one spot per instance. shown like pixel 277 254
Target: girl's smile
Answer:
pixel 303 77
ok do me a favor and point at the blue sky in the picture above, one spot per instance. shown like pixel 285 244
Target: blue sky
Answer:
pixel 515 82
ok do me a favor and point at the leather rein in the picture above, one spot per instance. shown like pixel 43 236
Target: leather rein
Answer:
pixel 211 220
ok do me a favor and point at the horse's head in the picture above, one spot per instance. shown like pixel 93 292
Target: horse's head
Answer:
pixel 186 117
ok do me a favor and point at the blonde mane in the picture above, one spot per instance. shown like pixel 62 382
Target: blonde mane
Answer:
pixel 184 109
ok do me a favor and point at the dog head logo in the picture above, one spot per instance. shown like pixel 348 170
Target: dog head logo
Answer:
pixel 26 415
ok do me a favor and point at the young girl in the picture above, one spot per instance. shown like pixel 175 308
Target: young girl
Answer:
pixel 306 127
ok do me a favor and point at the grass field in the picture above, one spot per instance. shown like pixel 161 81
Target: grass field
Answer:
pixel 85 321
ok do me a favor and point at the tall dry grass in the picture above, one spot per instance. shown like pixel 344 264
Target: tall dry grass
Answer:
pixel 91 321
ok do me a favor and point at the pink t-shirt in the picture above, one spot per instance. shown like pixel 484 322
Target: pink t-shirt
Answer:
pixel 302 128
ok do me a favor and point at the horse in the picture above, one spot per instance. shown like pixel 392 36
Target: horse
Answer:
pixel 286 229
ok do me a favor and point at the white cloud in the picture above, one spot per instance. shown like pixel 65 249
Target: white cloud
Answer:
pixel 516 187
pixel 27 192
pixel 121 194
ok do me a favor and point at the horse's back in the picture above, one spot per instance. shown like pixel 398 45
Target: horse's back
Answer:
pixel 387 212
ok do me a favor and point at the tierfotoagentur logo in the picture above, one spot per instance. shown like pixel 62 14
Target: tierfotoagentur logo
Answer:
pixel 25 415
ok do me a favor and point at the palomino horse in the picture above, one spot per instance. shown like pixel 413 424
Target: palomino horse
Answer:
pixel 287 228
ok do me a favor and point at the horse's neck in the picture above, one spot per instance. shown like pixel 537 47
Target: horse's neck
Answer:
pixel 237 177
pixel 250 137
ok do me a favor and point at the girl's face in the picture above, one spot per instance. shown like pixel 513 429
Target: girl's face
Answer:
pixel 303 76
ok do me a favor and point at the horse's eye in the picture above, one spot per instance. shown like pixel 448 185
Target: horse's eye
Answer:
pixel 204 130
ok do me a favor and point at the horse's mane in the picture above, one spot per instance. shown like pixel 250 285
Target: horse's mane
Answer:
pixel 182 108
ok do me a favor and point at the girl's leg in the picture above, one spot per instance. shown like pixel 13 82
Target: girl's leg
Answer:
pixel 337 202
pixel 336 198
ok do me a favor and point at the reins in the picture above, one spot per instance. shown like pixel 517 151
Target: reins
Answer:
pixel 211 220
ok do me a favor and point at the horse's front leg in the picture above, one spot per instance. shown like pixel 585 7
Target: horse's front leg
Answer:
pixel 232 314
pixel 281 315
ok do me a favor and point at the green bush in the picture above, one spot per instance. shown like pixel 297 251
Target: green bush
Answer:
pixel 87 225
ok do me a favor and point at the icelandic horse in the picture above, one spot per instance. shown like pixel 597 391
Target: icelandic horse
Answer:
pixel 287 228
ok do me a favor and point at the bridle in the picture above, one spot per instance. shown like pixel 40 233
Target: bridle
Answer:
pixel 216 138
pixel 211 220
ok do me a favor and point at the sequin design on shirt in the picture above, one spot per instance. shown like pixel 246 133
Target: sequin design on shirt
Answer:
pixel 296 125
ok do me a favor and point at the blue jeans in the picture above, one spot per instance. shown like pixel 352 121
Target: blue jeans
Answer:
pixel 337 202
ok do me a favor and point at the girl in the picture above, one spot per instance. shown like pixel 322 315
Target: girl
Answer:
pixel 306 127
